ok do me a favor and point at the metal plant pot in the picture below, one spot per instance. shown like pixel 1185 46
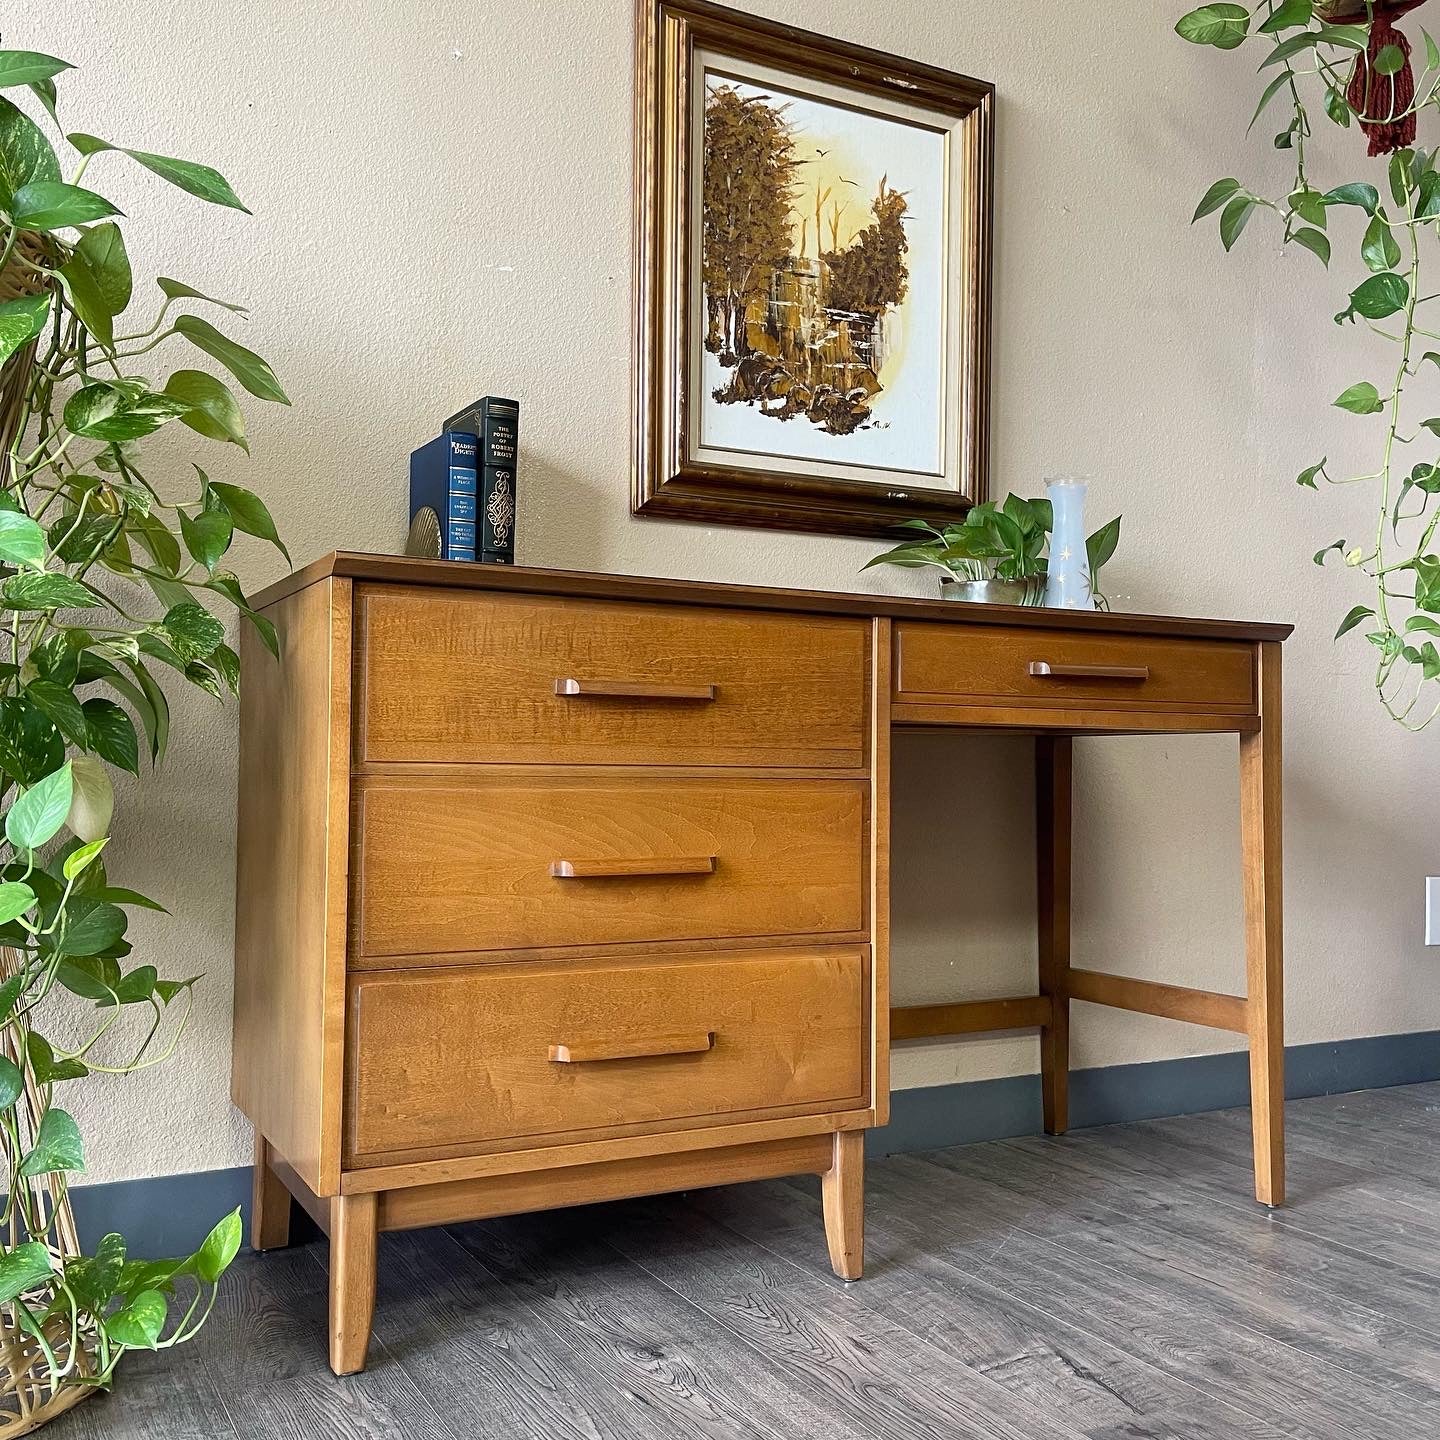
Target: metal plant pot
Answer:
pixel 994 592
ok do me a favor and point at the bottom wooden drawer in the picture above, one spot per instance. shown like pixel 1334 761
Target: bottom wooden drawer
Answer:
pixel 456 1060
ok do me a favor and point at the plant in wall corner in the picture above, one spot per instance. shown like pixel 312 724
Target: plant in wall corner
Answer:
pixel 106 583
pixel 1344 64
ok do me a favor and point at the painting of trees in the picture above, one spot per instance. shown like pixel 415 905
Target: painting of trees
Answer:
pixel 799 329
pixel 748 180
pixel 869 275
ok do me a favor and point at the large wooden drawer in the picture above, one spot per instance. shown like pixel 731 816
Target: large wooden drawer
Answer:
pixel 448 676
pixel 463 1058
pixel 494 862
pixel 996 665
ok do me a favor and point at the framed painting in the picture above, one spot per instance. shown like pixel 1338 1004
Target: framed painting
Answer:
pixel 812 277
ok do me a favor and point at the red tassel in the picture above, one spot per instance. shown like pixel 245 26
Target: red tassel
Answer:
pixel 1387 94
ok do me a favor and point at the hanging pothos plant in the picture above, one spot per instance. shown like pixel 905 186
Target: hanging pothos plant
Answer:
pixel 107 582
pixel 1344 64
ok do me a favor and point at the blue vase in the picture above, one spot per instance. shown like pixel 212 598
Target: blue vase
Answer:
pixel 1067 581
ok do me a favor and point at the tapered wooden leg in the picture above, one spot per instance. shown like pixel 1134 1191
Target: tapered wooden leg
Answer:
pixel 353 1237
pixel 842 1188
pixel 270 1203
pixel 1260 829
pixel 1052 889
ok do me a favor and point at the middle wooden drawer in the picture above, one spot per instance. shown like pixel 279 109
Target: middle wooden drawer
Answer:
pixel 492 862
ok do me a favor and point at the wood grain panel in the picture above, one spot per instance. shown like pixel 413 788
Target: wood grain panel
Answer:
pixel 1021 668
pixel 1261 811
pixel 456 677
pixel 555 1152
pixel 687 594
pixel 1083 718
pixel 881 655
pixel 486 1197
pixel 1151 997
pixel 290 885
pixel 353 1232
pixel 450 866
pixel 446 1057
pixel 969 1017
pixel 1054 826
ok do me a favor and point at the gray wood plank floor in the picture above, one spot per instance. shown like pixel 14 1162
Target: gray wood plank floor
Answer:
pixel 1117 1284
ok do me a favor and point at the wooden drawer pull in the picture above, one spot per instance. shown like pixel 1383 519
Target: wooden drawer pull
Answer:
pixel 1048 670
pixel 615 869
pixel 588 1051
pixel 631 690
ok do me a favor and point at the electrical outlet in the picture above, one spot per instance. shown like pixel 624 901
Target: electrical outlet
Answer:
pixel 1432 909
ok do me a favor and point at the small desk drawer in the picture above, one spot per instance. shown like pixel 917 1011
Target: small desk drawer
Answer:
pixel 446 676
pixel 492 862
pixel 1035 668
pixel 462 1058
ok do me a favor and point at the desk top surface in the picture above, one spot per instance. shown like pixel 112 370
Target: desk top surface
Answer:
pixel 578 584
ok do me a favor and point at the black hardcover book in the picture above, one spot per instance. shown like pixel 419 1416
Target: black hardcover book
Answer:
pixel 495 422
pixel 497 515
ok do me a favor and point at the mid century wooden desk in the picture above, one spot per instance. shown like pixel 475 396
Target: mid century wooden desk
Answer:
pixel 556 888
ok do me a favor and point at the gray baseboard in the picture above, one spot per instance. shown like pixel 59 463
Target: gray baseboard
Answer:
pixel 162 1216
pixel 171 1214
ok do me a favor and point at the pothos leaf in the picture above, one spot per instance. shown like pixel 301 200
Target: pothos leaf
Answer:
pixel 245 365
pixel 1210 201
pixel 1288 15
pixel 1314 241
pixel 1379 249
pixel 57 1146
pixel 221 1246
pixel 1360 399
pixel 1380 295
pixel 1359 613
pixel 1233 219
pixel 195 179
pixel 23 1268
pixel 1309 205
pixel 21 321
pixel 137 1325
pixel 37 814
pixel 1223 26
pixel 25 153
pixel 1389 61
pixel 27 67
pixel 12 1082
pixel 192 631
pixel 1367 197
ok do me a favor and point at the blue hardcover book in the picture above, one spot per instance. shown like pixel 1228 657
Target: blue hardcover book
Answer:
pixel 443 479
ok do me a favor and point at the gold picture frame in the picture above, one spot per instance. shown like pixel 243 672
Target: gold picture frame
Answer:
pixel 875 430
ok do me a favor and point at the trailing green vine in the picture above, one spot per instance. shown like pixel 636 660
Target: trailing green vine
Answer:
pixel 1350 73
pixel 108 581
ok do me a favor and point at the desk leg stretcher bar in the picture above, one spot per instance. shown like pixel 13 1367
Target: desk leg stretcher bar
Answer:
pixel 1258 1015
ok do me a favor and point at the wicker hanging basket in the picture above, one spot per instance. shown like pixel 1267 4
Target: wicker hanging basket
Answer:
pixel 29 1394
pixel 17 282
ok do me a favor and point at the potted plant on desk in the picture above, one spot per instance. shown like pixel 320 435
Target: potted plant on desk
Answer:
pixel 106 581
pixel 997 555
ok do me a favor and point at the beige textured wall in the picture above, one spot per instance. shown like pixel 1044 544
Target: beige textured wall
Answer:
pixel 443 208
